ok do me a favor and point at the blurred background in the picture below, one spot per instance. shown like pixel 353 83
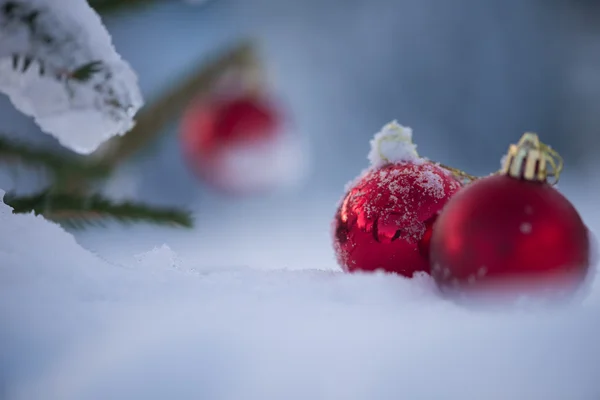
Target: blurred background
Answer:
pixel 469 77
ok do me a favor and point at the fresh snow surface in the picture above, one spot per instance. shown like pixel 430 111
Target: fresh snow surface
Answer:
pixel 392 144
pixel 75 327
pixel 64 36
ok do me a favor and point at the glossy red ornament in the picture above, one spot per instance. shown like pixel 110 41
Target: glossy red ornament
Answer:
pixel 386 217
pixel 508 235
pixel 231 141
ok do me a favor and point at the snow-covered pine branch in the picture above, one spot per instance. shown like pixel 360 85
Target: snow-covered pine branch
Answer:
pixel 58 65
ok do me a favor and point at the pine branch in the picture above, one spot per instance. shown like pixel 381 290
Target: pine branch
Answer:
pixel 81 74
pixel 78 211
pixel 59 164
pixel 107 6
pixel 42 40
pixel 14 12
pixel 153 118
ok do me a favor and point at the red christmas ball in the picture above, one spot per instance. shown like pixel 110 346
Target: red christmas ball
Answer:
pixel 386 217
pixel 236 143
pixel 509 236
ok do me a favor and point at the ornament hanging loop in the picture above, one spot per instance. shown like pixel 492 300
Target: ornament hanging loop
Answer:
pixel 555 161
pixel 532 160
pixel 460 174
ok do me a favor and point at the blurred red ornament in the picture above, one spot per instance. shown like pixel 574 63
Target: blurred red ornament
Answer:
pixel 512 231
pixel 237 143
pixel 385 219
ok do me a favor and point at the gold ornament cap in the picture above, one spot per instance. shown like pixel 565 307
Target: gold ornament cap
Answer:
pixel 532 160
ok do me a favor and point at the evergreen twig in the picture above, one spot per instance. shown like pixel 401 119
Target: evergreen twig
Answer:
pixel 19 152
pixel 67 200
pixel 78 211
pixel 107 6
pixel 153 118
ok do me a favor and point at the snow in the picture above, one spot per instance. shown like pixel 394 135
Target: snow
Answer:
pixel 392 144
pixel 61 38
pixel 432 183
pixel 281 162
pixel 74 326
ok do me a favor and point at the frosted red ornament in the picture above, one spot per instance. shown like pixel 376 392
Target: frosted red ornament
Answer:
pixel 385 219
pixel 511 233
pixel 237 143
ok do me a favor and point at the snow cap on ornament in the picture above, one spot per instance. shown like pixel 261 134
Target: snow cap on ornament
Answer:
pixel 512 235
pixel 393 144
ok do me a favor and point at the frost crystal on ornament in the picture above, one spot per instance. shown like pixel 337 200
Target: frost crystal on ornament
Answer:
pixel 393 144
pixel 58 65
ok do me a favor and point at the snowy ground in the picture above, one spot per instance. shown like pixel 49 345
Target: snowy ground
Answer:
pixel 211 323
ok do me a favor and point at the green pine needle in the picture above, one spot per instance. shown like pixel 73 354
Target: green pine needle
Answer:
pixel 83 73
pixel 86 71
pixel 79 211
pixel 108 6
pixel 56 163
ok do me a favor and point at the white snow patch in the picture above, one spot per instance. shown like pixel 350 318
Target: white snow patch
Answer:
pixel 53 40
pixel 431 181
pixel 74 327
pixel 159 257
pixel 392 144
